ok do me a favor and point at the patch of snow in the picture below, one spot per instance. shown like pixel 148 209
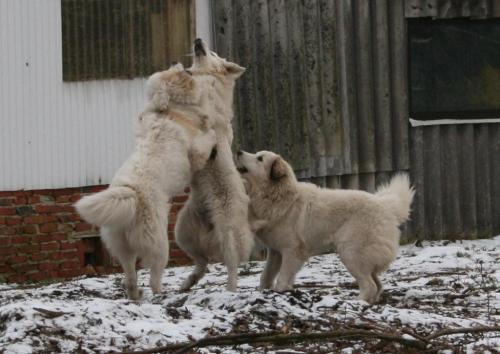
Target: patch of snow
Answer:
pixel 440 285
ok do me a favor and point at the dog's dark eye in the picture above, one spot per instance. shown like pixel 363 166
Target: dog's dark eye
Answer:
pixel 260 158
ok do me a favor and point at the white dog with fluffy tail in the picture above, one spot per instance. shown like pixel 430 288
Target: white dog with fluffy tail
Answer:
pixel 170 144
pixel 298 220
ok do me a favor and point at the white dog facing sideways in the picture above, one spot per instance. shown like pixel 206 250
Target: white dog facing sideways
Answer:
pixel 298 220
pixel 171 142
pixel 213 225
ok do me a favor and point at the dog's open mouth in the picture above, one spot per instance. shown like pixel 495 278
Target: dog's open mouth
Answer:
pixel 198 48
pixel 242 169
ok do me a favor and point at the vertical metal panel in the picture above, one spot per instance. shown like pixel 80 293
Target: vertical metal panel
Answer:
pixel 494 152
pixel 467 166
pixel 455 170
pixel 450 186
pixel 382 86
pixel 55 134
pixel 483 185
pixel 399 85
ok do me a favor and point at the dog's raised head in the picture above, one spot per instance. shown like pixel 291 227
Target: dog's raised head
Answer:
pixel 264 168
pixel 175 85
pixel 207 62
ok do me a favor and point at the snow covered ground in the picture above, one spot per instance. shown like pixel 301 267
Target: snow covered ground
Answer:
pixel 431 286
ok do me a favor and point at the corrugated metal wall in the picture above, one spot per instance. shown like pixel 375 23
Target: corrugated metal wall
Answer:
pixel 327 87
pixel 56 134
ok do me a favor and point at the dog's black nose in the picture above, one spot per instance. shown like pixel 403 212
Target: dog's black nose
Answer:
pixel 239 153
pixel 174 63
pixel 198 48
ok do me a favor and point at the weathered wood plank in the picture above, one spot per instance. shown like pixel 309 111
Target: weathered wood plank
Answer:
pixel 280 74
pixel 467 166
pixel 297 77
pixel 483 186
pixel 247 130
pixel 312 43
pixel 332 129
pixel 347 80
pixel 451 186
pixel 433 182
pixel 399 86
pixel 263 71
pixel 382 86
pixel 494 151
pixel 364 86
pixel 417 225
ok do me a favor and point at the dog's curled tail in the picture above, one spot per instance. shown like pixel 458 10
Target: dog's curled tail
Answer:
pixel 397 195
pixel 115 206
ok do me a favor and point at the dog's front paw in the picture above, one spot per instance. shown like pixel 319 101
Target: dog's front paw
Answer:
pixel 135 294
pixel 186 285
pixel 156 289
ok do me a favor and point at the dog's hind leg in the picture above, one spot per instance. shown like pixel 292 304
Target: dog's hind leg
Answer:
pixel 290 265
pixel 116 241
pixel 380 288
pixel 199 271
pixel 157 271
pixel 367 285
pixel 230 256
pixel 271 269
pixel 128 265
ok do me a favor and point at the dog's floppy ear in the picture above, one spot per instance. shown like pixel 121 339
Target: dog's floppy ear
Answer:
pixel 160 99
pixel 278 169
pixel 234 69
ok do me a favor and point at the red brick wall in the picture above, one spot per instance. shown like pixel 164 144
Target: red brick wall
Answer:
pixel 42 237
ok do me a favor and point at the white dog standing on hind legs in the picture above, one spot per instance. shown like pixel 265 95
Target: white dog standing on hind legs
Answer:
pixel 172 141
pixel 213 225
pixel 299 220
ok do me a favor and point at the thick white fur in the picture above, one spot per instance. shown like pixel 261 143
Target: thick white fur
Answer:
pixel 213 225
pixel 133 211
pixel 298 220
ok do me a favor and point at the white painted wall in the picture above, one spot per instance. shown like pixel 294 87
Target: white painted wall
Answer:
pixel 55 134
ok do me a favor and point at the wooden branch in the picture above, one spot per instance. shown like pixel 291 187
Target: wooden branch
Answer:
pixel 478 329
pixel 49 313
pixel 281 338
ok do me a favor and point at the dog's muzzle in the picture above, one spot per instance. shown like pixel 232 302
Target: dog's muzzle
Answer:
pixel 242 169
pixel 198 48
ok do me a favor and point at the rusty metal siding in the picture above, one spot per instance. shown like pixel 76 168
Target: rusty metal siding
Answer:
pixel 327 87
pixel 124 38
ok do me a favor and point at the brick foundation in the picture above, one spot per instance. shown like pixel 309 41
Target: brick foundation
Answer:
pixel 42 237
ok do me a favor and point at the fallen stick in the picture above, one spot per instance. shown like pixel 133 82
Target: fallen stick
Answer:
pixel 279 337
pixel 49 313
pixel 478 329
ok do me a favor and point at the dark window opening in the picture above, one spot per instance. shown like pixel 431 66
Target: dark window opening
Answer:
pixel 95 254
pixel 104 39
pixel 454 68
